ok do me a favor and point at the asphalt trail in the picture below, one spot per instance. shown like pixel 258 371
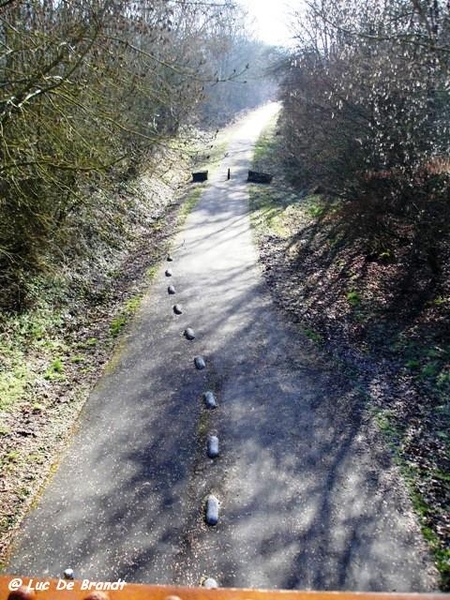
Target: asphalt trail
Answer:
pixel 308 496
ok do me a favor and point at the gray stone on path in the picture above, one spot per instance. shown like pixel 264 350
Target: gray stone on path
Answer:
pixel 69 574
pixel 171 290
pixel 189 334
pixel 178 309
pixel 210 400
pixel 169 273
pixel 212 510
pixel 212 447
pixel 199 362
pixel 210 583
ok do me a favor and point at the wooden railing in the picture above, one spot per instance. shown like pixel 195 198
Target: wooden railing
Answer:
pixel 60 589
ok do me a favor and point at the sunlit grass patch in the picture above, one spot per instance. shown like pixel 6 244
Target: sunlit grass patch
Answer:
pixel 13 382
pixel 128 310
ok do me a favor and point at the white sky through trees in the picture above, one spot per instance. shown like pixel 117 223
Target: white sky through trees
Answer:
pixel 272 19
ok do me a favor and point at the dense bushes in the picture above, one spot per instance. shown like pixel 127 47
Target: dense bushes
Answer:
pixel 366 96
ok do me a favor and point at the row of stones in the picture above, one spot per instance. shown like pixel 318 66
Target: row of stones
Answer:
pixel 212 503
pixel 211 509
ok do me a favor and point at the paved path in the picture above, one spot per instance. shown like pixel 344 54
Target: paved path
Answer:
pixel 308 497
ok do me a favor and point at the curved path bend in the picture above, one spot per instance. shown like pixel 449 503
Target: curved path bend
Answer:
pixel 307 495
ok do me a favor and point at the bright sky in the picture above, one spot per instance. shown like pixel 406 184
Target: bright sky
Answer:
pixel 272 19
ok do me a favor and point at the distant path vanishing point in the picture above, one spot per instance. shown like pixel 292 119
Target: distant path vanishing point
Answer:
pixel 295 482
